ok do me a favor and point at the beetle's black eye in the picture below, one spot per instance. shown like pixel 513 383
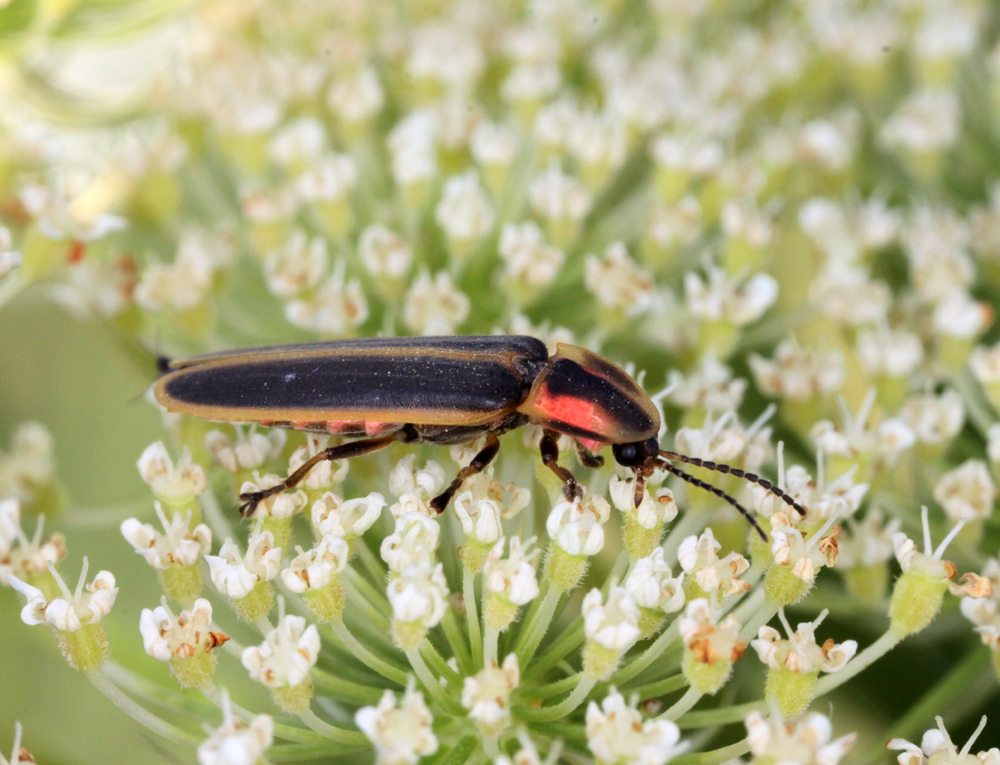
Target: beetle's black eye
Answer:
pixel 629 455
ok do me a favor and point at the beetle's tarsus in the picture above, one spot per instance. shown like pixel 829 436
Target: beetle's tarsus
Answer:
pixel 477 465
pixel 587 458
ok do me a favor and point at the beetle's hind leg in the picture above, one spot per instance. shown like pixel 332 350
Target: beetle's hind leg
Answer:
pixel 549 447
pixel 341 452
pixel 478 465
pixel 587 458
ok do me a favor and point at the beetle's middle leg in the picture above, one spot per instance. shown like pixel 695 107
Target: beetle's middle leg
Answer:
pixel 549 447
pixel 478 465
pixel 340 452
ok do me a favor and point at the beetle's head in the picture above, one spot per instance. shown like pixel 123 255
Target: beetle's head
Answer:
pixel 637 453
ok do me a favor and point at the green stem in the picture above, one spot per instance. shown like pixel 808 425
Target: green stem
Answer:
pixel 431 684
pixel 462 751
pixel 366 657
pixel 683 704
pixel 490 647
pixel 430 653
pixel 539 628
pixel 553 689
pixel 720 716
pixel 862 661
pixel 647 657
pixel 762 616
pixel 564 707
pixel 472 616
pixel 456 641
pixel 660 687
pixel 341 736
pixel 345 689
pixel 686 526
pixel 572 637
pixel 138 712
pixel 715 756
pixel 372 563
pixel 362 594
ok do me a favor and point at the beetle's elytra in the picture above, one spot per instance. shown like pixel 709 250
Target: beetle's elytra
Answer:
pixel 440 390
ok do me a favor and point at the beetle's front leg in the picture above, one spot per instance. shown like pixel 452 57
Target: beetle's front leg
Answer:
pixel 341 452
pixel 549 447
pixel 478 465
pixel 587 458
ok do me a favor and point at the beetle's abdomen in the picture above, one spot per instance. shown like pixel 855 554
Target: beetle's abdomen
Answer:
pixel 588 397
pixel 414 387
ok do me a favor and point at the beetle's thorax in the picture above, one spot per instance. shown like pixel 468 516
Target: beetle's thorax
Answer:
pixel 587 397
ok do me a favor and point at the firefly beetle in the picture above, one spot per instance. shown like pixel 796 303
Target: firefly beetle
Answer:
pixel 442 390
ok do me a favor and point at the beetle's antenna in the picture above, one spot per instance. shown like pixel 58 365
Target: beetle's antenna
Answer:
pixel 721 468
pixel 717 492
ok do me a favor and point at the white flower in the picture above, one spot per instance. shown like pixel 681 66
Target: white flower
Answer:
pixel 480 518
pixel 526 256
pixel 337 307
pixel 935 419
pixel 234 743
pixel 597 139
pixel 464 212
pixel 675 224
pixel 692 154
pixel 967 492
pixel 515 577
pixel 172 483
pixel 76 205
pixel 654 510
pixel 936 746
pixel 287 654
pixel 250 450
pixel 327 180
pixel 493 144
pixel 868 541
pixel 885 351
pixel 487 694
pixel 797 373
pixel 180 286
pixel 700 560
pixel 652 585
pixel 317 567
pixel 848 294
pixel 800 651
pixel 614 624
pixel 806 742
pixel 166 637
pixel 618 735
pixel 556 196
pixel 577 527
pixel 618 282
pixel 435 306
pixel 21 556
pixel 73 609
pixel 446 54
pixel 282 505
pixel 299 142
pixel 413 541
pixel 411 143
pixel 790 547
pixel 322 475
pixel 983 611
pixel 352 518
pixel 357 96
pixel 297 266
pixel 415 487
pixel 926 120
pixel 709 386
pixel 419 593
pixel 178 545
pixel 985 363
pixel 931 564
pixel 262 205
pixel 403 734
pixel 384 253
pixel 959 316
pixel 235 575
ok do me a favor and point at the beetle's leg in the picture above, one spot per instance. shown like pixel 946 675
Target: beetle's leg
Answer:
pixel 341 452
pixel 549 447
pixel 588 458
pixel 478 465
pixel 716 491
